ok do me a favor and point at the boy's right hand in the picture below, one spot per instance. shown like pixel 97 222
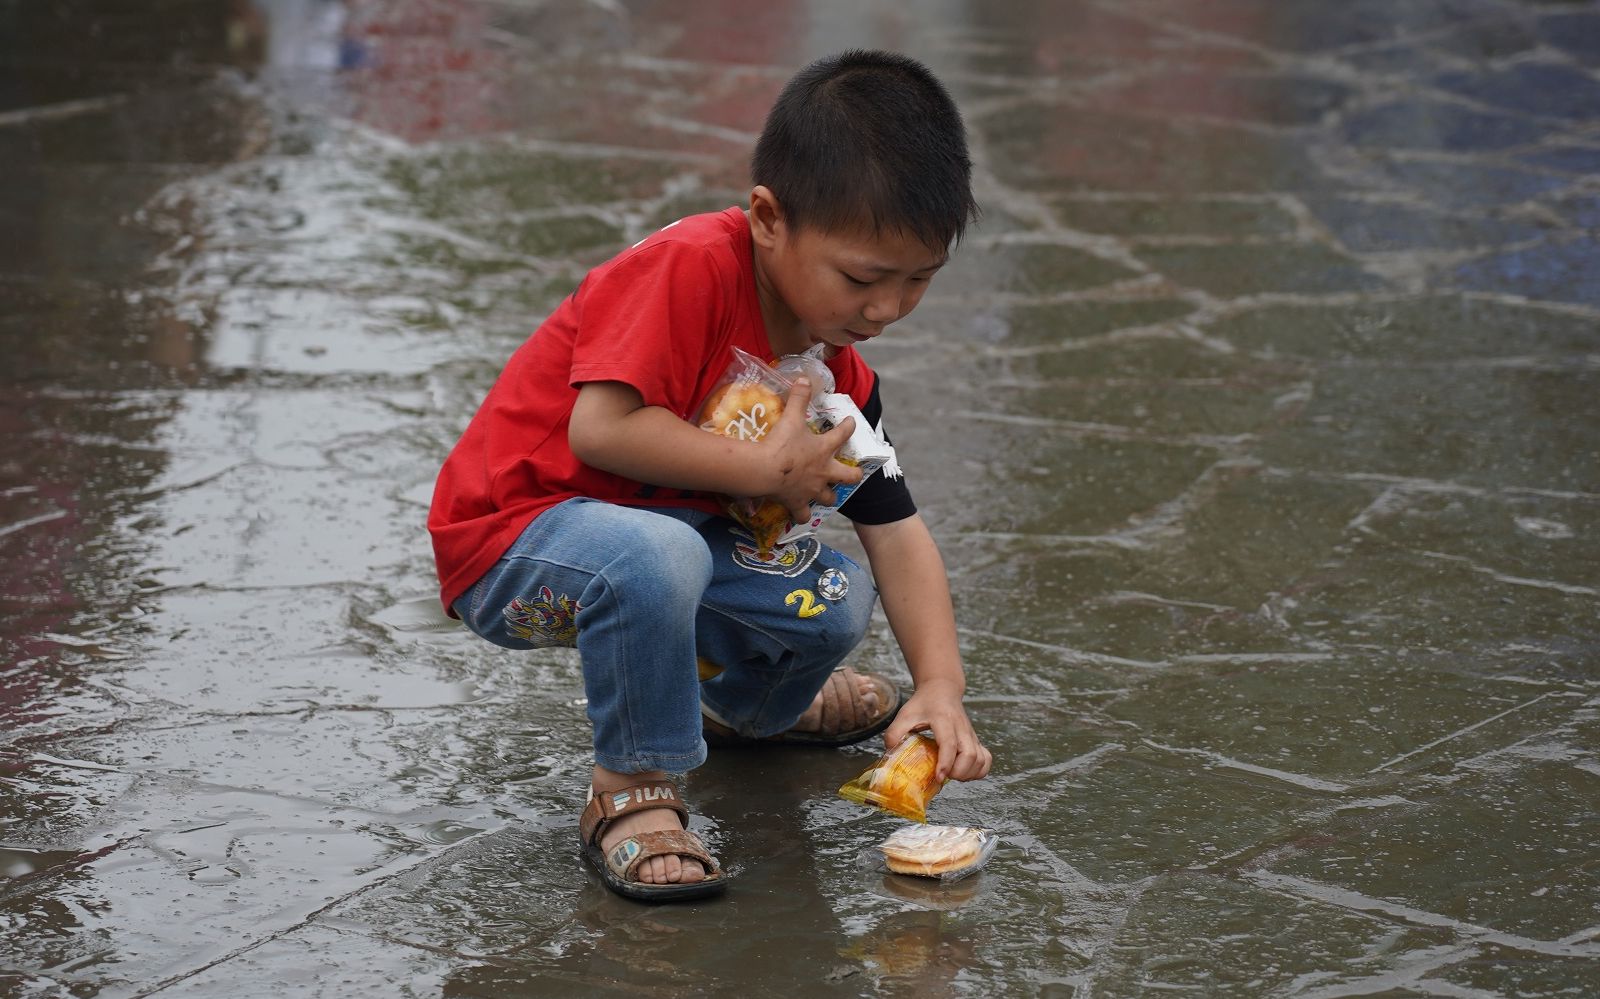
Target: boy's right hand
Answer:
pixel 804 469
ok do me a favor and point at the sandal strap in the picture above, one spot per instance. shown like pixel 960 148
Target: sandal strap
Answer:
pixel 625 857
pixel 604 806
pixel 843 708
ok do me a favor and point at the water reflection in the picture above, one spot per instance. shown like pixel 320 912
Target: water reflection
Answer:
pixel 91 343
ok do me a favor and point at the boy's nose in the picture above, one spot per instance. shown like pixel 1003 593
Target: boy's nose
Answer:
pixel 883 308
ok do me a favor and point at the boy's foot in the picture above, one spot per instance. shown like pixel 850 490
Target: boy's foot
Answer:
pixel 634 833
pixel 851 707
pixel 849 700
pixel 667 870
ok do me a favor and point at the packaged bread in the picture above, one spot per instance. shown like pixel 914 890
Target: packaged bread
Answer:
pixel 748 400
pixel 745 405
pixel 902 782
pixel 944 852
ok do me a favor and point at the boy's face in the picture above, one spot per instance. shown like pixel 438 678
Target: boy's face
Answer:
pixel 838 288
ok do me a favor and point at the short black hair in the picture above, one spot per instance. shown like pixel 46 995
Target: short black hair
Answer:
pixel 867 139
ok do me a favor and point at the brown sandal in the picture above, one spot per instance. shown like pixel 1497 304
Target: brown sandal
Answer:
pixel 845 719
pixel 617 866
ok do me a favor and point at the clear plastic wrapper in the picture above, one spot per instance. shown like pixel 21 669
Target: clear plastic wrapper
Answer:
pixel 946 853
pixel 745 405
pixel 809 365
pixel 747 402
pixel 901 782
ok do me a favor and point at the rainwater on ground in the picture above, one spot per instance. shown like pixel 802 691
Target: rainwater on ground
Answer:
pixel 1259 422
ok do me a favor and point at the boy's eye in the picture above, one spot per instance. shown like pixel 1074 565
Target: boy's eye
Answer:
pixel 854 280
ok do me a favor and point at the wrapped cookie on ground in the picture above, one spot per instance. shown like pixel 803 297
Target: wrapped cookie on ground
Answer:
pixel 948 853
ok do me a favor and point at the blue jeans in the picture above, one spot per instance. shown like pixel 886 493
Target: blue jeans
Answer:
pixel 644 593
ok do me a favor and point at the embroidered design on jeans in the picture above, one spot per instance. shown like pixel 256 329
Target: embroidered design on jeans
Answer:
pixel 808 603
pixel 787 560
pixel 544 621
pixel 832 584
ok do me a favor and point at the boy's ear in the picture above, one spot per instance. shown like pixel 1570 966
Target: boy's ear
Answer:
pixel 766 217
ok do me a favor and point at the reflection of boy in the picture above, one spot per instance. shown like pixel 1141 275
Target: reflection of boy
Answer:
pixel 578 505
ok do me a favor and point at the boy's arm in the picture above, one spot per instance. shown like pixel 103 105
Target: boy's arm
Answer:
pixel 916 597
pixel 613 430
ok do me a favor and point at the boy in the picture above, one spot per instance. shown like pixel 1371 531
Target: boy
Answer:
pixel 579 505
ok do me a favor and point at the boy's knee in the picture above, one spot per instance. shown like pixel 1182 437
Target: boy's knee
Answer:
pixel 668 560
pixel 849 613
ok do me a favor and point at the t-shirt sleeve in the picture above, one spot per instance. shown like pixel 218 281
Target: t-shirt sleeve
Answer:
pixel 880 499
pixel 648 320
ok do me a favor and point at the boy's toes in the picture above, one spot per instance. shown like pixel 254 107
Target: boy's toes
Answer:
pixel 670 870
pixel 653 871
pixel 677 870
pixel 869 698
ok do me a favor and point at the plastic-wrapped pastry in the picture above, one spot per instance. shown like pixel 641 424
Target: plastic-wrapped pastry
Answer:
pixel 745 410
pixel 945 852
pixel 902 782
pixel 747 403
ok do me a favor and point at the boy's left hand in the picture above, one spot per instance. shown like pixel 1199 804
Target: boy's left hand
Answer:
pixel 937 708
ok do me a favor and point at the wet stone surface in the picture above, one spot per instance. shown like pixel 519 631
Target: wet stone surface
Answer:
pixel 1259 422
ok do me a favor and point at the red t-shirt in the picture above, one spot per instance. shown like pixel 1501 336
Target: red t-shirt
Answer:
pixel 663 317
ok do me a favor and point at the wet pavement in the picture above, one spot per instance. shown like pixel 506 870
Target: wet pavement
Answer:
pixel 1259 421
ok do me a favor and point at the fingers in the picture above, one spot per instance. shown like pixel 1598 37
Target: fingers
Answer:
pixel 961 755
pixel 798 514
pixel 974 765
pixel 897 731
pixel 799 395
pixel 847 475
pixel 893 736
pixel 947 757
pixel 971 760
pixel 839 434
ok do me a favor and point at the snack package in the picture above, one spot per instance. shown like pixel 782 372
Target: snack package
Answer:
pixel 866 449
pixel 948 853
pixel 809 364
pixel 902 782
pixel 745 405
pixel 748 401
